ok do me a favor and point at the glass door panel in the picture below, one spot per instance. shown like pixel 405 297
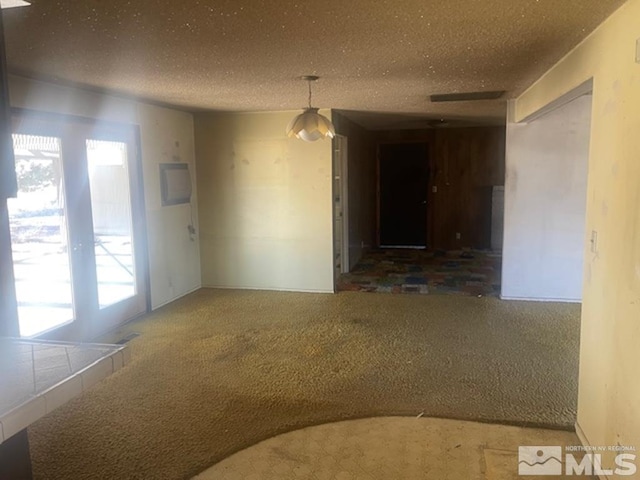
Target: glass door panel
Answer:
pixel 109 184
pixel 77 227
pixel 40 237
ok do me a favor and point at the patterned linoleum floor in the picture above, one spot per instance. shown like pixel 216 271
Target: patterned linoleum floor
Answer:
pixel 421 271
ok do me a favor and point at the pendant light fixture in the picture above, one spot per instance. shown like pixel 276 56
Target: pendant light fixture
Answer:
pixel 310 125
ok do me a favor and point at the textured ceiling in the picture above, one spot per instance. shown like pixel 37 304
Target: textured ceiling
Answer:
pixel 374 56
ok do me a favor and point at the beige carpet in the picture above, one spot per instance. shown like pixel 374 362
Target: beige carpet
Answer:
pixel 393 448
pixel 221 370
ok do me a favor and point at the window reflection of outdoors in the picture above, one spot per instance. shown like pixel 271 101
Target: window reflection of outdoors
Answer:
pixel 111 209
pixel 39 236
pixel 39 230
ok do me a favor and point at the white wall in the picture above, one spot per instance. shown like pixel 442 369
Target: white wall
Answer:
pixel 174 255
pixel 174 259
pixel 545 204
pixel 609 389
pixel 265 204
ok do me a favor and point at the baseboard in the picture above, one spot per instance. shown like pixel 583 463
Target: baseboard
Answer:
pixel 194 289
pixel 267 289
pixel 585 443
pixel 537 299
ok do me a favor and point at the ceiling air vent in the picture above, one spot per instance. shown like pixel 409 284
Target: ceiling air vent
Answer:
pixel 466 97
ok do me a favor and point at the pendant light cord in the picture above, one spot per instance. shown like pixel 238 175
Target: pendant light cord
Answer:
pixel 309 81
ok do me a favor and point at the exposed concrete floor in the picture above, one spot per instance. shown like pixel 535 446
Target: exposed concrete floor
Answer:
pixel 390 448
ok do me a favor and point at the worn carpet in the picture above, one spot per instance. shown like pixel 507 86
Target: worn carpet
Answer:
pixel 218 371
pixel 391 448
pixel 422 271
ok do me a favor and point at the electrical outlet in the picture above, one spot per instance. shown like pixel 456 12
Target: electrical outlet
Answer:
pixel 458 236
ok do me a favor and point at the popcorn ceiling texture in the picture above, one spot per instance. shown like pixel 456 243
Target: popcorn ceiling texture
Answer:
pixel 246 55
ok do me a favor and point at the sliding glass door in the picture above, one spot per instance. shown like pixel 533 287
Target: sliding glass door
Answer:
pixel 76 228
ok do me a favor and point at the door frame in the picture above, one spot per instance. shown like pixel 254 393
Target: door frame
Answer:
pixel 430 184
pixel 340 155
pixel 54 124
pixel 9 326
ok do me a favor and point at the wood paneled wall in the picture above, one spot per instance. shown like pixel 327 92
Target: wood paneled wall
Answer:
pixel 465 165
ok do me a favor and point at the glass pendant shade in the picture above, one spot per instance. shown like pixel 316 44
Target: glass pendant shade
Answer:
pixel 310 126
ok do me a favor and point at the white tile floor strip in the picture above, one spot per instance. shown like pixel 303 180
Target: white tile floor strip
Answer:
pixel 37 376
pixel 389 448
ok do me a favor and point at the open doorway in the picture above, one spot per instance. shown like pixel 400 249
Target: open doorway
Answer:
pixel 403 185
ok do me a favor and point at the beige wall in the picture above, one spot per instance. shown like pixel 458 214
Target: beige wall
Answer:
pixel 265 204
pixel 609 396
pixel 174 259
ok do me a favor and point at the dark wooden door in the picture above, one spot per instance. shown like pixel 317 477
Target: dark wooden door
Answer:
pixel 404 184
